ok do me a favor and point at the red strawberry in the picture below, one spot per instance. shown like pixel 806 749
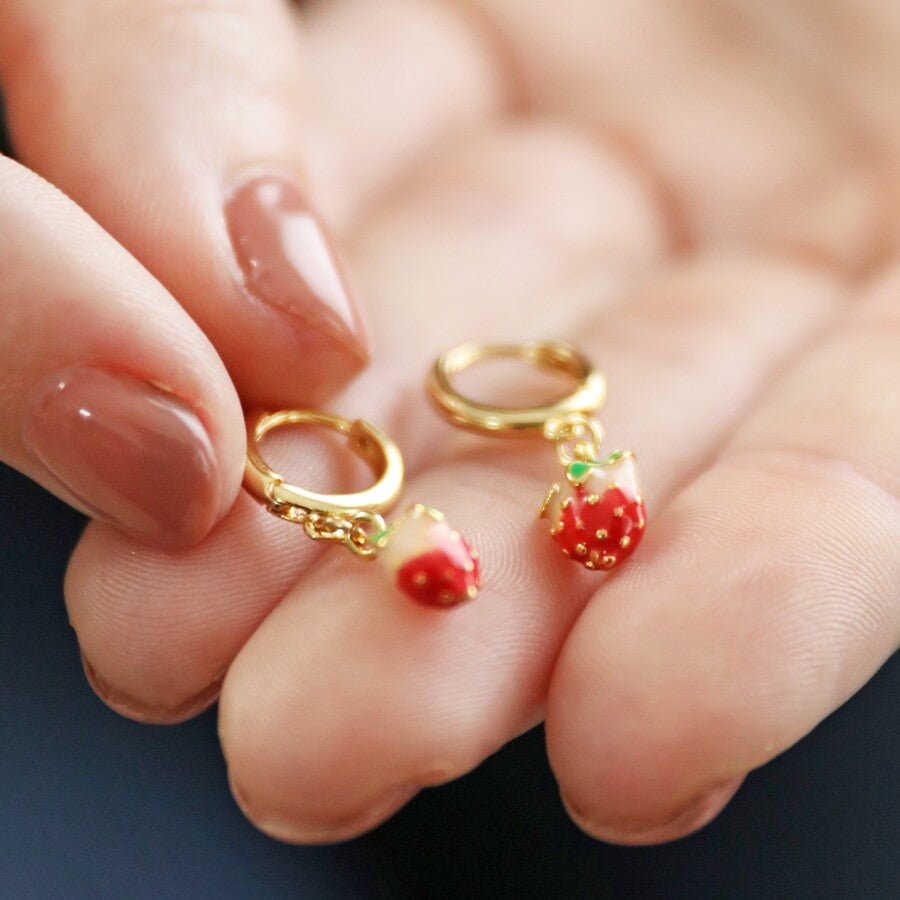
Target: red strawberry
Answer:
pixel 600 518
pixel 432 564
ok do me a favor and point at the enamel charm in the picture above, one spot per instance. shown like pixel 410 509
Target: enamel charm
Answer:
pixel 598 515
pixel 429 561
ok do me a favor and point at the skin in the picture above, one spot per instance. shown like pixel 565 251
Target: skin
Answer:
pixel 703 195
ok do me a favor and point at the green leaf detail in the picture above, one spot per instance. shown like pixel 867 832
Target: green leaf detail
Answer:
pixel 578 469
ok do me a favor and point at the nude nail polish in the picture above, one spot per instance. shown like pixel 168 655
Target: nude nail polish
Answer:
pixel 129 453
pixel 288 262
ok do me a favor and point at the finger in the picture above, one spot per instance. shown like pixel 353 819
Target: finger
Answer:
pixel 395 698
pixel 109 395
pixel 197 169
pixel 765 597
pixel 159 630
pixel 742 112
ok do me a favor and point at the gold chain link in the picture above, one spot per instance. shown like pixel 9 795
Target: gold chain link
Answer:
pixel 357 531
pixel 577 437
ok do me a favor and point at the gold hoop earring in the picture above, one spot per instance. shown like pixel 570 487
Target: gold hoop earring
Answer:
pixel 429 561
pixel 598 515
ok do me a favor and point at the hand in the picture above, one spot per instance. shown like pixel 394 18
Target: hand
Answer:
pixel 180 129
pixel 696 203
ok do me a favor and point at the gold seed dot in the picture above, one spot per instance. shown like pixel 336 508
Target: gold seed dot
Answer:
pixel 420 578
pixel 473 553
pixel 580 549
pixel 579 524
pixel 590 565
pixel 625 541
pixel 556 529
pixel 446 596
pixel 472 591
pixel 469 566
pixel 619 511
pixel 595 555
pixel 566 552
pixel 602 534
pixel 593 499
pixel 567 503
pixel 609 561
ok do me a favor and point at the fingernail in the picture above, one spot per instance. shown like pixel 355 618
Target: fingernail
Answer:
pixel 159 714
pixel 286 829
pixel 690 817
pixel 129 453
pixel 289 263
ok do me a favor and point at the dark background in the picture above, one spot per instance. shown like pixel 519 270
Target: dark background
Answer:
pixel 95 806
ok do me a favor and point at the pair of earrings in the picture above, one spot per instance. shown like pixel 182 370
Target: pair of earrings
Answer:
pixel 597 514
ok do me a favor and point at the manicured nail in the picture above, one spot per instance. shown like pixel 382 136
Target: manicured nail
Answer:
pixel 699 811
pixel 129 453
pixel 288 262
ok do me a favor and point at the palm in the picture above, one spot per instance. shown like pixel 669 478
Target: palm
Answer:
pixel 685 212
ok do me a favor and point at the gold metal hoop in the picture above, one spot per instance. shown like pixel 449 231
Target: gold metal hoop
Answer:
pixel 380 453
pixel 588 396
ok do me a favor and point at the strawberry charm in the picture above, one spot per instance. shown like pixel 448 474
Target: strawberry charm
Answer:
pixel 430 562
pixel 599 516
